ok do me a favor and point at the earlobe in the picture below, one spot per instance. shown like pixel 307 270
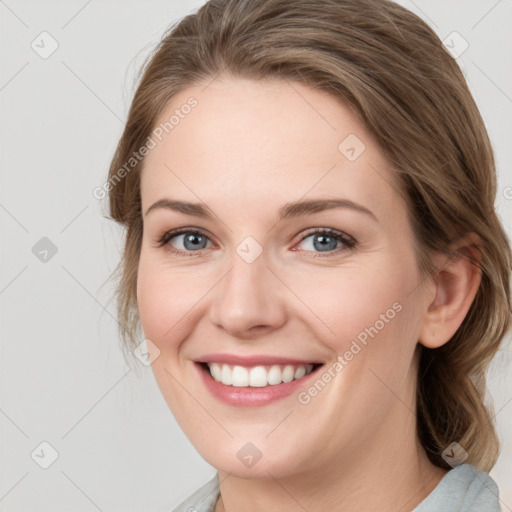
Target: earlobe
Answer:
pixel 456 282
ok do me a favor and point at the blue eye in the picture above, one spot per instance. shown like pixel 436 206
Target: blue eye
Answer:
pixel 328 240
pixel 323 240
pixel 192 240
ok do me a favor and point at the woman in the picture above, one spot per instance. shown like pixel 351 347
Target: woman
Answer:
pixel 314 258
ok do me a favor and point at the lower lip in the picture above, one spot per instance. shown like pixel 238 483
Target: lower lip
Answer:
pixel 252 396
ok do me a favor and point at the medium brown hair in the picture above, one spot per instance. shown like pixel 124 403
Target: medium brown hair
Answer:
pixel 392 69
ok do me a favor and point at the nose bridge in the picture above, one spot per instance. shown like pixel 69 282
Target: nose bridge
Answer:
pixel 249 295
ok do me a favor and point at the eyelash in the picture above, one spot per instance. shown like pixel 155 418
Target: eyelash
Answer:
pixel 348 241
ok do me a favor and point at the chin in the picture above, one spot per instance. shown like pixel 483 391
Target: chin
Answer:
pixel 248 460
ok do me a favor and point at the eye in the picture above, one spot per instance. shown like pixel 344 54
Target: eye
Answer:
pixel 327 240
pixel 184 241
pixel 187 241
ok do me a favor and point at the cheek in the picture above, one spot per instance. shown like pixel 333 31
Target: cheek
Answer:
pixel 368 305
pixel 152 299
pixel 164 298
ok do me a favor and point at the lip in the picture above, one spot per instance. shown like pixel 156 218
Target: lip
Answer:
pixel 260 360
pixel 252 396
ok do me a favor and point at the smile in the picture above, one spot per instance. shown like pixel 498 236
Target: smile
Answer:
pixel 254 381
pixel 257 376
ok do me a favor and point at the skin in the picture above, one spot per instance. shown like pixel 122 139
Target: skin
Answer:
pixel 245 150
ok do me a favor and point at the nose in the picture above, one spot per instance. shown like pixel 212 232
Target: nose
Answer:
pixel 249 301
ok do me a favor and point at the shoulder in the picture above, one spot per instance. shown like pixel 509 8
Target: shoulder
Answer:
pixel 203 500
pixel 463 489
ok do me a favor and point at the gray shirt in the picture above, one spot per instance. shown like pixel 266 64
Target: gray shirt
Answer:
pixel 463 489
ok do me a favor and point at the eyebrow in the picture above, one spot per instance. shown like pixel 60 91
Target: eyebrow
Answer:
pixel 289 210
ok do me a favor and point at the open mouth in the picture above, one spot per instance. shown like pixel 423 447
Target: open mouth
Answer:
pixel 257 376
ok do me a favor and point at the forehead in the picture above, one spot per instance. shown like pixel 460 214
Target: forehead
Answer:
pixel 251 142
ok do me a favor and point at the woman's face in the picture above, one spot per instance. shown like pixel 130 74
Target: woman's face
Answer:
pixel 252 287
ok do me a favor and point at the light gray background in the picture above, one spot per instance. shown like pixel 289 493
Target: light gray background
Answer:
pixel 63 378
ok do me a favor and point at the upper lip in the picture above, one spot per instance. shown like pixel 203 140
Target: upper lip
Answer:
pixel 256 360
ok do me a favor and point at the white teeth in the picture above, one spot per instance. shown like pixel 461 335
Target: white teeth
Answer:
pixel 300 372
pixel 288 373
pixel 240 377
pixel 216 372
pixel 257 376
pixel 226 375
pixel 274 375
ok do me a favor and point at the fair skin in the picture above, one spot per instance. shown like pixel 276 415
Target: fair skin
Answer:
pixel 246 150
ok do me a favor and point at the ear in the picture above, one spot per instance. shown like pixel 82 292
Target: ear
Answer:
pixel 456 283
